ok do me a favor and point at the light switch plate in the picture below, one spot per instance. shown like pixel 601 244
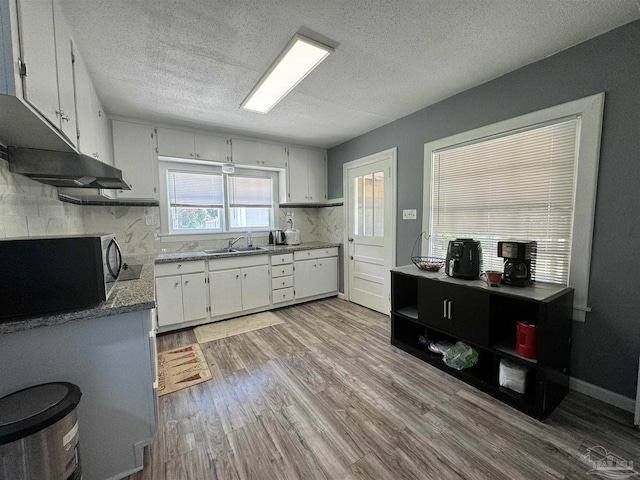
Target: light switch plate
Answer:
pixel 410 214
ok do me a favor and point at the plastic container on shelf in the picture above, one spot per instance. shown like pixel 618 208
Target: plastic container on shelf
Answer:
pixel 513 376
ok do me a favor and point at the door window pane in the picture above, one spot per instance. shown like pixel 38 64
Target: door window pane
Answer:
pixel 378 204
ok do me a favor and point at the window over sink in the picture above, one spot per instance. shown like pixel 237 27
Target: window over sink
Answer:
pixel 201 199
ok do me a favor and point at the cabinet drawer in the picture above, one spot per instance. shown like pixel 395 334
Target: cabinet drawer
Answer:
pixel 318 253
pixel 281 270
pixel 238 262
pixel 179 268
pixel 281 282
pixel 282 259
pixel 283 295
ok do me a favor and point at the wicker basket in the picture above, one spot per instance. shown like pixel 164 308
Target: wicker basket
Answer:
pixel 430 264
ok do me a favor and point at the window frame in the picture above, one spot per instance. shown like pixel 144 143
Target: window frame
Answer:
pixel 167 164
pixel 590 110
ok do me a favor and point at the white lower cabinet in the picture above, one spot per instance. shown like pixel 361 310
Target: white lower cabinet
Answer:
pixel 316 272
pixel 237 285
pixel 181 293
pixel 232 286
pixel 225 290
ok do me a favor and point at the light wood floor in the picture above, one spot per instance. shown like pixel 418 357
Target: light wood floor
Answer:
pixel 325 396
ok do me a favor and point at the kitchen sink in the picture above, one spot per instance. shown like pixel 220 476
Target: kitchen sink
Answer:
pixel 233 250
pixel 220 250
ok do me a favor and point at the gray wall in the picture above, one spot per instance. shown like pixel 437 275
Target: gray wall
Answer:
pixel 606 347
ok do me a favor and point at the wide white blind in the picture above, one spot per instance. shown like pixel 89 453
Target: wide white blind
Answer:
pixel 517 186
pixel 194 189
pixel 250 191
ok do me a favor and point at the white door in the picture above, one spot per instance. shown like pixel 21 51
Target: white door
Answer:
pixel 369 210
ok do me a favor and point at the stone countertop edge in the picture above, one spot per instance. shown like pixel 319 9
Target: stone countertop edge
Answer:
pixel 187 256
pixel 129 296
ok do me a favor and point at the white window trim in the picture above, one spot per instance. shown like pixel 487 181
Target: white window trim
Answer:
pixel 590 110
pixel 166 164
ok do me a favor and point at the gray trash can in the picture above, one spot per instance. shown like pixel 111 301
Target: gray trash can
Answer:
pixel 39 433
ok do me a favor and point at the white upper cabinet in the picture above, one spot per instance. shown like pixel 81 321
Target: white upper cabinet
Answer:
pixel 134 154
pixel 244 152
pixel 307 176
pixel 38 52
pixel 212 147
pixel 272 155
pixel 198 146
pixel 45 50
pixel 64 61
pixel 89 141
pixel 176 143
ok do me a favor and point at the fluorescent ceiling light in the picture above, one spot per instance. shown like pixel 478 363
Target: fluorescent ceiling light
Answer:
pixel 295 62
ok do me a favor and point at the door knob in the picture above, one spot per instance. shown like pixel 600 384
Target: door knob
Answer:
pixel 351 257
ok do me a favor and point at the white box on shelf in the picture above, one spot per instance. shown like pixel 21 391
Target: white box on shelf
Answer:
pixel 513 376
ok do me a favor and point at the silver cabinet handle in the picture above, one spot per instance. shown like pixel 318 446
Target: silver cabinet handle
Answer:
pixel 237 276
pixel 245 275
pixel 444 308
pixel 186 282
pixel 179 265
pixel 450 309
pixel 177 283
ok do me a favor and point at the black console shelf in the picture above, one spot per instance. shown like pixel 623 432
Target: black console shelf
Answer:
pixel 433 306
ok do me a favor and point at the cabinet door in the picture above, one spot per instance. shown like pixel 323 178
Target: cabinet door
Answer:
pixel 176 143
pixel 210 147
pixel 194 296
pixel 245 152
pixel 305 279
pixel 87 125
pixel 106 149
pixel 270 155
pixel 297 180
pixel 64 65
pixel 327 279
pixel 225 291
pixel 459 311
pixel 317 174
pixel 256 287
pixel 133 153
pixel 38 51
pixel 169 300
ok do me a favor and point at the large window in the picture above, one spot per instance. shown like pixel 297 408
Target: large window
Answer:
pixel 197 199
pixel 515 186
pixel 529 178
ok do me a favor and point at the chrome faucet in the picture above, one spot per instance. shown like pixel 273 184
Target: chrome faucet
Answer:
pixel 232 241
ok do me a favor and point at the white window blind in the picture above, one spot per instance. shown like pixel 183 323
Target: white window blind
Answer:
pixel 195 200
pixel 519 185
pixel 250 191
pixel 250 201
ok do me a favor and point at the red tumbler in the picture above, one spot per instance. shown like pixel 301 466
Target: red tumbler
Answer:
pixel 526 339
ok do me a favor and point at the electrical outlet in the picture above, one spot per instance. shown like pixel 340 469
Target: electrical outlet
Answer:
pixel 411 214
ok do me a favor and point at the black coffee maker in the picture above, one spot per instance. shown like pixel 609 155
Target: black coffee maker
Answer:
pixel 520 263
pixel 464 258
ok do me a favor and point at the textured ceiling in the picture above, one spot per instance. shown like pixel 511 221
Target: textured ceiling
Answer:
pixel 192 63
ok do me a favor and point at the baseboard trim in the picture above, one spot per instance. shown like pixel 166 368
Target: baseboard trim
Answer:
pixel 602 394
pixel 341 296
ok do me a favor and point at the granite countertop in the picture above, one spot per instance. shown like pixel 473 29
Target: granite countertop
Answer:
pixel 136 295
pixel 127 296
pixel 539 291
pixel 186 256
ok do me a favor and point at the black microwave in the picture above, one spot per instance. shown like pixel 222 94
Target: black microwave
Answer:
pixel 41 275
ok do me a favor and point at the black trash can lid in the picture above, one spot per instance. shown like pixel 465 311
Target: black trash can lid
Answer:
pixel 28 411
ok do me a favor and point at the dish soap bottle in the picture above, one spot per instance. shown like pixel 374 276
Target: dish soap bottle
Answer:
pixel 249 239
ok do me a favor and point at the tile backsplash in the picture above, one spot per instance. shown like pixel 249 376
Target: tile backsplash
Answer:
pixel 32 209
pixel 29 208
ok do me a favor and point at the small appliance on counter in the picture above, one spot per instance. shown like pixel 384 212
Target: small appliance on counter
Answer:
pixel 293 236
pixel 50 274
pixel 277 237
pixel 464 258
pixel 520 262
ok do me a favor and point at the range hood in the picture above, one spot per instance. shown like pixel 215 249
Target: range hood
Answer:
pixel 65 169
